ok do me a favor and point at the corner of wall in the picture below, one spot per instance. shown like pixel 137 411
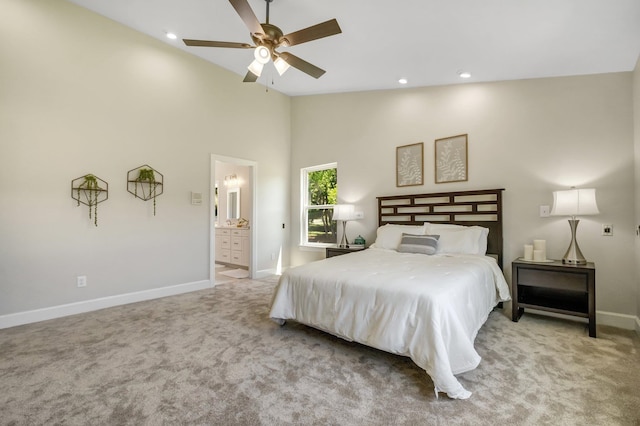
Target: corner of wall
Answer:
pixel 636 144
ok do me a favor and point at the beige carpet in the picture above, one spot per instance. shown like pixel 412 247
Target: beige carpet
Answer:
pixel 214 358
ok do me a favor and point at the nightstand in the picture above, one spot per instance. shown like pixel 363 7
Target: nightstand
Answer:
pixel 337 251
pixel 554 287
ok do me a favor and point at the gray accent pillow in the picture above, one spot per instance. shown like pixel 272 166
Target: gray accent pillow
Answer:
pixel 424 244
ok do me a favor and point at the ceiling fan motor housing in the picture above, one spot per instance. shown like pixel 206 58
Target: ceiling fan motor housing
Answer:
pixel 272 37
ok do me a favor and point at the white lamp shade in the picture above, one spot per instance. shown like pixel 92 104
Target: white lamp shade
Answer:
pixel 256 68
pixel 262 54
pixel 343 212
pixel 281 65
pixel 574 202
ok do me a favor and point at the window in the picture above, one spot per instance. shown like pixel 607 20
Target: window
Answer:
pixel 319 188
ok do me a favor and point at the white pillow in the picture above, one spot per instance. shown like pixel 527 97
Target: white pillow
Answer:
pixel 389 236
pixel 459 239
pixel 482 242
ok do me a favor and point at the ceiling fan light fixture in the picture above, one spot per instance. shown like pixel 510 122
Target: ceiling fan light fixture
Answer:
pixel 267 38
pixel 262 54
pixel 256 67
pixel 281 65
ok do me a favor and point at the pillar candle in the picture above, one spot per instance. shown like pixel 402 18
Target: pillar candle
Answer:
pixel 528 252
pixel 538 256
pixel 542 246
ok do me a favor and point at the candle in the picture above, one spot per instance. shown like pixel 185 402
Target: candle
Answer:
pixel 542 246
pixel 528 252
pixel 538 256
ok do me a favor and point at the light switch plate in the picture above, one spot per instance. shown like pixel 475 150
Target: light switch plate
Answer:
pixel 196 198
pixel 81 281
pixel 544 211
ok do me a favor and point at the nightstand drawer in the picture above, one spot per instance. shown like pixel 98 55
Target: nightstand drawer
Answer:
pixel 338 251
pixel 553 279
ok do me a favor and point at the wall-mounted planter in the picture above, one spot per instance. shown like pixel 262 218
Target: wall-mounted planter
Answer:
pixel 90 190
pixel 145 183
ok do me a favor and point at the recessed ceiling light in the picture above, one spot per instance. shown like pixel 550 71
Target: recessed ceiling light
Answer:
pixel 403 81
pixel 172 36
pixel 464 74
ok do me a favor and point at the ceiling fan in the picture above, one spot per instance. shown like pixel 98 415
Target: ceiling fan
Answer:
pixel 268 38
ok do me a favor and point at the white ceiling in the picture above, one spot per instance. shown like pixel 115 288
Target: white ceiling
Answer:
pixel 427 42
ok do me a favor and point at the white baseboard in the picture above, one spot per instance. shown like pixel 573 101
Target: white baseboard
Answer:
pixel 627 322
pixel 28 317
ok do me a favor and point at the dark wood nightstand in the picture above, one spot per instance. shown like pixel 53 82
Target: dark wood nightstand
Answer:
pixel 554 287
pixel 337 251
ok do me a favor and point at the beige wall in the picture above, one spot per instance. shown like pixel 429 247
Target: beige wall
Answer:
pixel 530 137
pixel 81 94
pixel 636 122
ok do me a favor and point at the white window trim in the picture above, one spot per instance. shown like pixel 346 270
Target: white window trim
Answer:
pixel 304 202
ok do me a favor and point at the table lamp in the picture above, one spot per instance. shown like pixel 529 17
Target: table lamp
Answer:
pixel 345 213
pixel 574 202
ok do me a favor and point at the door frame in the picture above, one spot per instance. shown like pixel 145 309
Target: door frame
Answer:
pixel 253 173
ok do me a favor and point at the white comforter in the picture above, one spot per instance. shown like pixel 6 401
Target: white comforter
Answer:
pixel 429 308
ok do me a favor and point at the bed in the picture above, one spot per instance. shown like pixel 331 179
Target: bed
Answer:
pixel 423 289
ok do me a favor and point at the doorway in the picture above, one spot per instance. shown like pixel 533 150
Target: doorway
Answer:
pixel 233 198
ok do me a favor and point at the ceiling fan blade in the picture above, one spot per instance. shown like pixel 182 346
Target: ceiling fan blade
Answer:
pixel 248 17
pixel 250 77
pixel 302 65
pixel 207 43
pixel 324 29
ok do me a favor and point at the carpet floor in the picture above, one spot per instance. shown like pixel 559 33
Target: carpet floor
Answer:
pixel 213 357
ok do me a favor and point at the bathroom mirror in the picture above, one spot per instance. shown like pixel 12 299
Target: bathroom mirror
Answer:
pixel 233 203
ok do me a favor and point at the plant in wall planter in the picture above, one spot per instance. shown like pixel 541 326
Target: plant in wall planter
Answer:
pixel 90 190
pixel 145 183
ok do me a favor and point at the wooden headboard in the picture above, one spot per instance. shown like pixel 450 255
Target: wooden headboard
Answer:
pixel 468 208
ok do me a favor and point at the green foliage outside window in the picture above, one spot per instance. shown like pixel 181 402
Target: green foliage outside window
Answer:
pixel 323 191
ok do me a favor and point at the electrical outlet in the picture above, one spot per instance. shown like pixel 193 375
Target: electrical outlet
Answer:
pixel 273 256
pixel 607 230
pixel 544 211
pixel 81 281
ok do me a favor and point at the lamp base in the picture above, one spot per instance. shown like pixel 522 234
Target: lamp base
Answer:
pixel 574 256
pixel 344 242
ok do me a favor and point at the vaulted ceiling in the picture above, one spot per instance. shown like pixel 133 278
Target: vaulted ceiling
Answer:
pixel 427 42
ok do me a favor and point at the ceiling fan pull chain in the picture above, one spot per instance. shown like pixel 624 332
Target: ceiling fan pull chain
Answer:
pixel 266 86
